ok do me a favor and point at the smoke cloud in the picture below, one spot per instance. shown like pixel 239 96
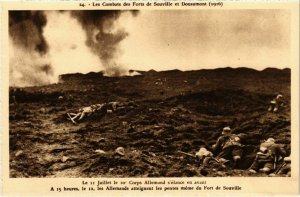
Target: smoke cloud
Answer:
pixel 68 52
pixel 45 44
pixel 103 37
pixel 29 64
pixel 26 29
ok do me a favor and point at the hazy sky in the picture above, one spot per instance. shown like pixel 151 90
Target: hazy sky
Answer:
pixel 208 39
pixel 45 44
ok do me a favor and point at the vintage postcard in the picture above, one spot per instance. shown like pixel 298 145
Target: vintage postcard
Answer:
pixel 120 98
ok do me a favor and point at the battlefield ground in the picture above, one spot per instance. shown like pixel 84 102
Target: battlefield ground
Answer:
pixel 169 111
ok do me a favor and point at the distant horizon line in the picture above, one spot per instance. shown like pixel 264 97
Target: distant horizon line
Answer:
pixel 141 72
pixel 226 67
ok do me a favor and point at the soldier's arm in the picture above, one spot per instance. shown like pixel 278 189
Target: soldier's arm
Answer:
pixel 217 145
pixel 280 151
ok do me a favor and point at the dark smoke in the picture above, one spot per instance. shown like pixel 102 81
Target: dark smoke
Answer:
pixel 26 29
pixel 47 69
pixel 101 38
pixel 29 58
pixel 28 61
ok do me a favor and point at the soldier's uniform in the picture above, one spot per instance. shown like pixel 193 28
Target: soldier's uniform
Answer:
pixel 276 103
pixel 204 156
pixel 266 157
pixel 228 146
pixel 85 111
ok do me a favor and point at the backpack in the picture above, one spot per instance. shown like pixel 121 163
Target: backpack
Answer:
pixel 265 154
pixel 231 140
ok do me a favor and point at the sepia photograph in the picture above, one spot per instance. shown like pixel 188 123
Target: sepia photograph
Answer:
pixel 149 93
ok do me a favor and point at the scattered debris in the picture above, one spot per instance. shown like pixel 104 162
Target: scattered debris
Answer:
pixel 155 128
pixel 18 153
pixel 43 110
pixel 152 154
pixel 100 151
pixel 124 123
pixel 74 141
pixel 64 159
pixel 120 151
pixel 27 124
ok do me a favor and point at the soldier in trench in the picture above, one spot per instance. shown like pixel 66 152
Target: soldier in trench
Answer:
pixel 267 157
pixel 228 147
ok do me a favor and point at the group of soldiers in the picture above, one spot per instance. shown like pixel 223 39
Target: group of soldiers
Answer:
pixel 229 149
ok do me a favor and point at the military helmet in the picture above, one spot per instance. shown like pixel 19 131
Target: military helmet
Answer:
pixel 226 130
pixel 271 140
pixel 279 96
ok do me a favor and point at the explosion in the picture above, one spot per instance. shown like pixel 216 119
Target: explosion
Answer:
pixel 45 44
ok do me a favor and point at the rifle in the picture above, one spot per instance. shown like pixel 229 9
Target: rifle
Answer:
pixel 188 154
pixel 275 162
pixel 194 156
pixel 279 168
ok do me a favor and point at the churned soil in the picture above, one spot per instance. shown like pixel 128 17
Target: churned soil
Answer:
pixel 165 112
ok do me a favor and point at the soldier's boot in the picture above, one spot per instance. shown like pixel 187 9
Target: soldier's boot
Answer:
pixel 236 159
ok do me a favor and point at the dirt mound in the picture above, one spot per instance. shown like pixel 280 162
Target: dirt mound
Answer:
pixel 169 112
pixel 224 102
